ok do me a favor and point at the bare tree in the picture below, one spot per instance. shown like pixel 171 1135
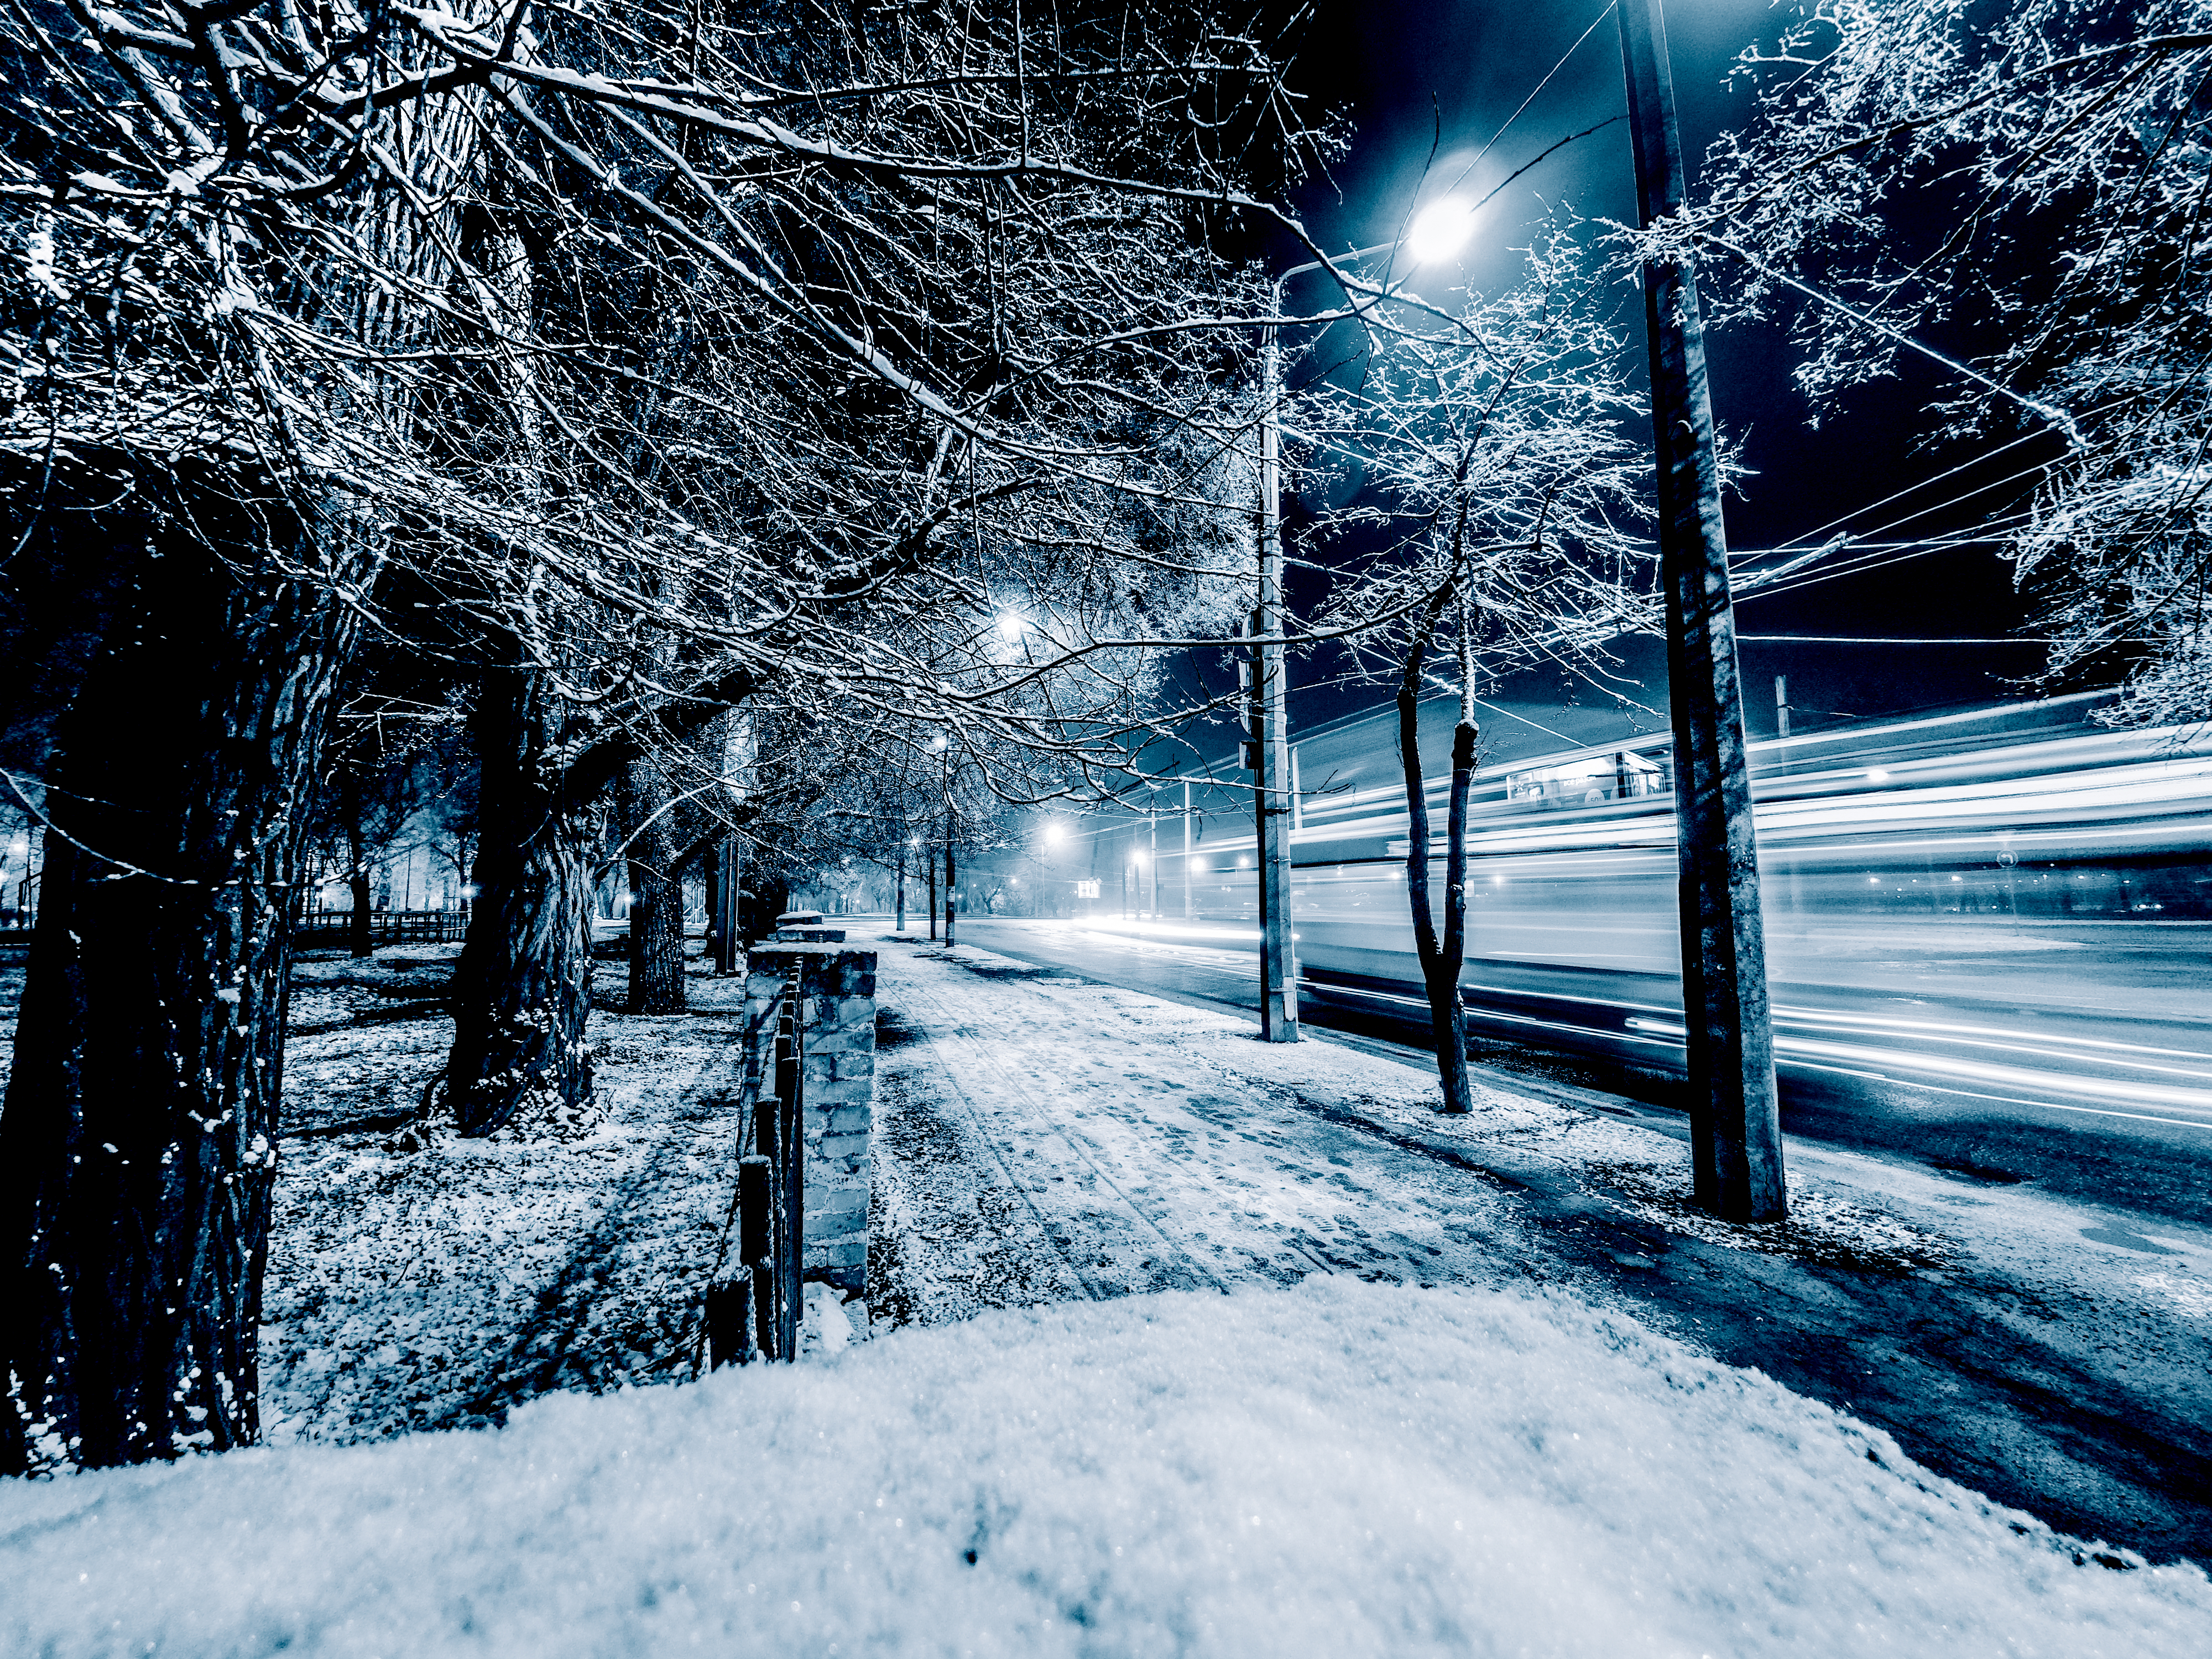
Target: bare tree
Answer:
pixel 1498 479
pixel 783 338
pixel 2032 178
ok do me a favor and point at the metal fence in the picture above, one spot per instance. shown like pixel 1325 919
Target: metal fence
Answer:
pixel 753 1311
pixel 384 927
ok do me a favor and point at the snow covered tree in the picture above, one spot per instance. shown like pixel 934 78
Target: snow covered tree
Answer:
pixel 781 336
pixel 2030 180
pixel 1497 477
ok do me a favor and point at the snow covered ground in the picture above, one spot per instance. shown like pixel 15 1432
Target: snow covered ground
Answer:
pixel 1414 1423
pixel 429 1282
pixel 2050 1351
pixel 1339 1467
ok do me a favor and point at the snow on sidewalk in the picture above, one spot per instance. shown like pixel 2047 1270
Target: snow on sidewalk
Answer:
pixel 1042 1138
pixel 1407 1427
pixel 1339 1467
pixel 1066 1139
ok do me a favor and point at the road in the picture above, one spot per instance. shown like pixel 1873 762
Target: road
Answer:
pixel 2071 1054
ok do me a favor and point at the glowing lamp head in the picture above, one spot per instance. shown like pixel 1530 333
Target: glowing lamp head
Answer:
pixel 1054 833
pixel 1011 625
pixel 1440 230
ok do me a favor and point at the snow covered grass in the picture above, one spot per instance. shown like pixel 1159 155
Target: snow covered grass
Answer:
pixel 431 1282
pixel 1340 1467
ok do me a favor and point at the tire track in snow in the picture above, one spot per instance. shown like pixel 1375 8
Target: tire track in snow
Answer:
pixel 1186 1122
pixel 951 1078
pixel 943 1034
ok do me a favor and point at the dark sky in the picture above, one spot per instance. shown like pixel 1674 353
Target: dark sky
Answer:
pixel 1402 72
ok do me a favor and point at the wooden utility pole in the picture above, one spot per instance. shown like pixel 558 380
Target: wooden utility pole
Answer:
pixel 1735 1131
pixel 1279 962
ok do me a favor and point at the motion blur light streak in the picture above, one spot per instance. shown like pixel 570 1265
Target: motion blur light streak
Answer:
pixel 2032 887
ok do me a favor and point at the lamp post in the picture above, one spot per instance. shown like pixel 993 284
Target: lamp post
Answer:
pixel 1187 912
pixel 1152 859
pixel 1440 230
pixel 944 748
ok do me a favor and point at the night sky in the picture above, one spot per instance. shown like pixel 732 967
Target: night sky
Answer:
pixel 1401 73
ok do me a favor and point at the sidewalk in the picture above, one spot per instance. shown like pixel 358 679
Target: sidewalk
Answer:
pixel 1041 1138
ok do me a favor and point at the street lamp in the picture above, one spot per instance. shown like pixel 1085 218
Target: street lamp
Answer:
pixel 1440 229
pixel 943 745
pixel 1438 232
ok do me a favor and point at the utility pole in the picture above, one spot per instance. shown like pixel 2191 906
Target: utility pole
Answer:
pixel 1152 857
pixel 728 887
pixel 1735 1133
pixel 1782 705
pixel 1186 850
pixel 900 928
pixel 1279 963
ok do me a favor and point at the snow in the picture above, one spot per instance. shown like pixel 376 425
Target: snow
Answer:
pixel 1192 1343
pixel 425 1281
pixel 1339 1467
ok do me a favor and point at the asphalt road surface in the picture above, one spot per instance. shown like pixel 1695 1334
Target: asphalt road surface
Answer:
pixel 2077 1055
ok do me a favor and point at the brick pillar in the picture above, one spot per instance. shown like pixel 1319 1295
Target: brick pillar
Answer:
pixel 837 1027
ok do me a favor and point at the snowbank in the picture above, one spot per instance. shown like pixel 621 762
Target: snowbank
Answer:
pixel 1340 1467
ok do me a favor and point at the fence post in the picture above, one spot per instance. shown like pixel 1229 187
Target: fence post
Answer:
pixel 809 1065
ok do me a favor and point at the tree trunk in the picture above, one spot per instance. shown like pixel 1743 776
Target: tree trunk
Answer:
pixel 137 1144
pixel 656 904
pixel 710 879
pixel 359 937
pixel 522 992
pixel 1440 962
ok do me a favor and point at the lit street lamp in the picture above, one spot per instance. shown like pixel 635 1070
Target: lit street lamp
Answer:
pixel 943 745
pixel 1439 231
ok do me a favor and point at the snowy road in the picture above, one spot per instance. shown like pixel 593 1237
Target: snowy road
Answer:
pixel 1041 1138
